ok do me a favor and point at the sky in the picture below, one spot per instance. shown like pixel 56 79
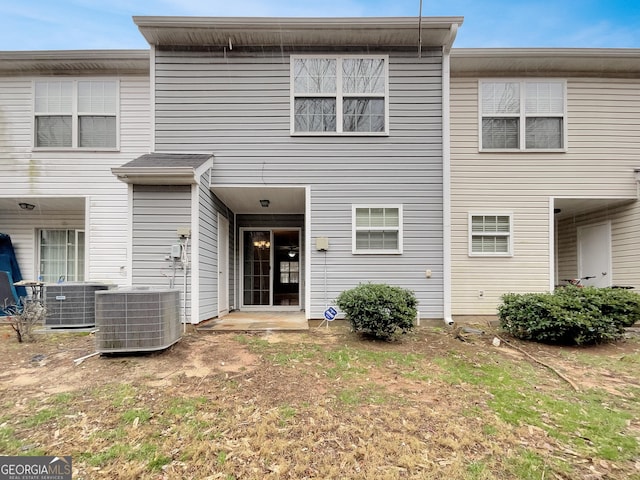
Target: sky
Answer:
pixel 108 24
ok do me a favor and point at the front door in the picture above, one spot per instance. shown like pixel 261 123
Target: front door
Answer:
pixel 594 254
pixel 271 268
pixel 256 272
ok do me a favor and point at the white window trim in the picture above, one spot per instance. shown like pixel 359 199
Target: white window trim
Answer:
pixel 74 115
pixel 379 251
pixel 491 234
pixel 38 253
pixel 339 97
pixel 523 115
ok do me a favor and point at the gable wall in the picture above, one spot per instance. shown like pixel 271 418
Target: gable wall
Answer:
pixel 238 109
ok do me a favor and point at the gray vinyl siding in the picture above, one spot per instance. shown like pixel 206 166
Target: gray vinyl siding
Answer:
pixel 158 211
pixel 238 109
pixel 209 207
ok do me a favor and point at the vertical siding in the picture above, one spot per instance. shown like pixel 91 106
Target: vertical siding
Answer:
pixel 208 246
pixel 85 174
pixel 238 108
pixel 603 142
pixel 209 207
pixel 158 211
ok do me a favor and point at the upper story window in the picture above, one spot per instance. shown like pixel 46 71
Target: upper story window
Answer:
pixel 76 114
pixel 377 229
pixel 523 115
pixel 339 95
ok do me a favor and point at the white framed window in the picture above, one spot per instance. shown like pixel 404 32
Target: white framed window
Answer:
pixel 491 234
pixel 339 95
pixel 76 114
pixel 523 115
pixel 377 229
pixel 61 255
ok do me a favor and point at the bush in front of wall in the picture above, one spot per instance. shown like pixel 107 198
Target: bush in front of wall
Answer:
pixel 379 310
pixel 570 315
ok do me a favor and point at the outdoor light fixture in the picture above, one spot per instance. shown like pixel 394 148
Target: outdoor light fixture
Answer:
pixel 26 206
pixel 265 203
pixel 292 253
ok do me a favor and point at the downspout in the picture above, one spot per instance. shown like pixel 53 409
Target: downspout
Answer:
pixel 152 99
pixel 446 177
pixel 420 32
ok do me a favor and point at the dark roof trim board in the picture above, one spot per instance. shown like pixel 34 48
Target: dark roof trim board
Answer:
pixel 588 62
pixel 164 169
pixel 73 62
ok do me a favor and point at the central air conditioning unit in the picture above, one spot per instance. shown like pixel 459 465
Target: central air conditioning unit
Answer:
pixel 141 319
pixel 71 304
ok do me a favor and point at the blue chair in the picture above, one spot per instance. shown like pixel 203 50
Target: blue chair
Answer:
pixel 9 300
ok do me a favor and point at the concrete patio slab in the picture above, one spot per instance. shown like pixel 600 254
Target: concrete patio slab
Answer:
pixel 256 321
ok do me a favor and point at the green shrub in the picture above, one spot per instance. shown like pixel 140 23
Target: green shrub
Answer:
pixel 379 310
pixel 570 315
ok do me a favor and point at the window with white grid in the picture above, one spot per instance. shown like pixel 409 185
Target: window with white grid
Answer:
pixel 522 114
pixel 490 235
pixel 76 114
pixel 339 95
pixel 377 229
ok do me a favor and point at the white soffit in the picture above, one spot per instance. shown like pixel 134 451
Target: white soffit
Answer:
pixel 239 32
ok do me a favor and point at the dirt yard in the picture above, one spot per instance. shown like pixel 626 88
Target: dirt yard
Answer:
pixel 325 404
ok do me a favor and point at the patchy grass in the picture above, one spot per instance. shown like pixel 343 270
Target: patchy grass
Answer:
pixel 328 405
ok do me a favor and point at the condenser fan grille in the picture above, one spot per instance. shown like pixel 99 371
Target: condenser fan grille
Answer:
pixel 137 320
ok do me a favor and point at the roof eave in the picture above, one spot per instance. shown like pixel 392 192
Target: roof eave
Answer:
pixel 541 61
pixel 156 176
pixel 248 32
pixel 74 61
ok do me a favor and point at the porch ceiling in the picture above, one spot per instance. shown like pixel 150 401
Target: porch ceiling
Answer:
pixel 43 205
pixel 571 207
pixel 246 199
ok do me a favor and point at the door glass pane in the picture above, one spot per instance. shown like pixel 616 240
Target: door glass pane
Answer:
pixel 80 256
pixel 61 255
pixel 71 256
pixel 257 257
pixel 53 248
